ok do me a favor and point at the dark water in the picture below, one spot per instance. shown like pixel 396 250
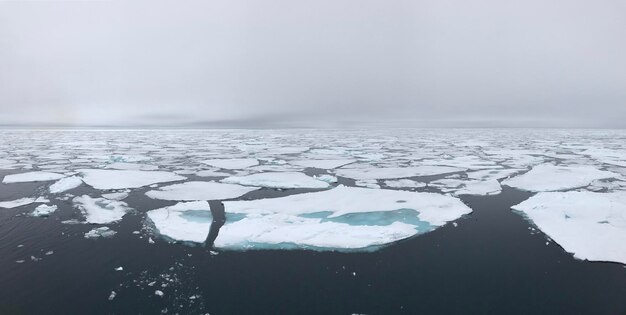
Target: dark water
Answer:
pixel 491 263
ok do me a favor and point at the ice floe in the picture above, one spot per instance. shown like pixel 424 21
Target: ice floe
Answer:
pixel 322 164
pixel 231 164
pixel 119 179
pixel 21 202
pixel 549 177
pixel 184 221
pixel 37 176
pixel 340 218
pixel 199 191
pixel 590 225
pixel 65 184
pixel 100 210
pixel 404 183
pixel 277 180
pixel 394 172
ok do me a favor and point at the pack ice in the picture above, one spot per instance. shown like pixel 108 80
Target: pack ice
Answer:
pixel 100 210
pixel 590 225
pixel 344 218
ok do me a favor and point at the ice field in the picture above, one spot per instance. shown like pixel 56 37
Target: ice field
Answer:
pixel 319 191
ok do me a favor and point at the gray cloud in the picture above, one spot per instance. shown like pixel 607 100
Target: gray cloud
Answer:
pixel 434 62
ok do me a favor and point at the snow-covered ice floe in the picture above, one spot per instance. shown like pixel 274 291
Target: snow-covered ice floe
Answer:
pixel 21 202
pixel 119 179
pixel 549 177
pixel 395 172
pixel 184 221
pixel 322 164
pixel 277 180
pixel 231 164
pixel 37 176
pixel 344 218
pixel 65 184
pixel 199 191
pixel 590 225
pixel 100 210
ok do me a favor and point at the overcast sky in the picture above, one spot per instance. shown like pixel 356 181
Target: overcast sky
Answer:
pixel 423 62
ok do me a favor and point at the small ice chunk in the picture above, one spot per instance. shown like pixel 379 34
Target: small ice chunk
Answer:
pixel 184 221
pixel 277 180
pixel 322 164
pixel 199 191
pixel 37 176
pixel 404 183
pixel 102 231
pixel 43 210
pixel 112 295
pixel 326 178
pixel 120 268
pixel 590 225
pixel 65 184
pixel 120 179
pixel 50 252
pixel 211 173
pixel 231 164
pixel 549 177
pixel 158 293
pixel 369 183
pixel 100 210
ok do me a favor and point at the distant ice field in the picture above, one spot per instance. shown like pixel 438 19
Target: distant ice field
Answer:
pixel 337 190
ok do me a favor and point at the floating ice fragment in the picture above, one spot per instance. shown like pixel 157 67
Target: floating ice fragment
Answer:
pixel 590 225
pixel 112 295
pixel 65 184
pixel 120 179
pixel 326 178
pixel 120 268
pixel 199 191
pixel 43 210
pixel 277 180
pixel 549 177
pixel 102 231
pixel 32 177
pixel 132 166
pixel 184 221
pixel 100 210
pixel 231 164
pixel 158 293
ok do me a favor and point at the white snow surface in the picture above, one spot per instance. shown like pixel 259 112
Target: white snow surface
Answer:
pixel 37 176
pixel 590 225
pixel 277 180
pixel 100 210
pixel 550 177
pixel 197 190
pixel 231 164
pixel 119 179
pixel 21 202
pixel 65 184
pixel 184 221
